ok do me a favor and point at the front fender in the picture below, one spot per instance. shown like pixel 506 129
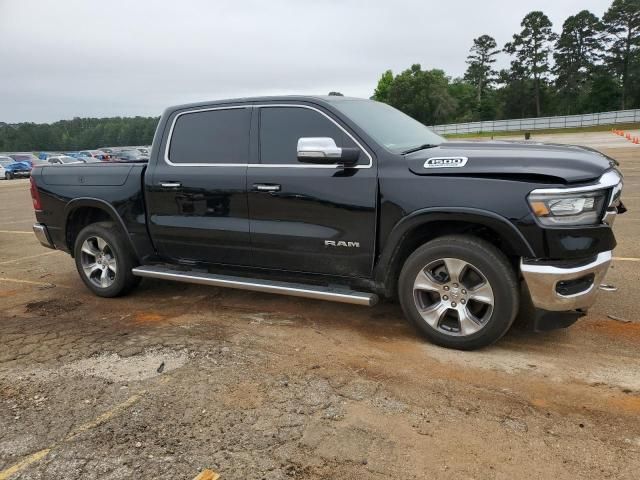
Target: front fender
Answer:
pixel 500 225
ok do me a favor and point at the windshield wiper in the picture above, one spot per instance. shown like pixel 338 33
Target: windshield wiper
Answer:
pixel 421 147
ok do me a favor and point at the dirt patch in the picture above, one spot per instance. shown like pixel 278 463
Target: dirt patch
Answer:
pixel 128 369
pixel 114 367
pixel 52 307
pixel 149 317
pixel 629 331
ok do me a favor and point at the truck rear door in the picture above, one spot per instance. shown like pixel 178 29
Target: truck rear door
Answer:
pixel 196 192
pixel 309 218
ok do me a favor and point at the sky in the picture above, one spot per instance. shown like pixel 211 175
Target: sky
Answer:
pixel 61 59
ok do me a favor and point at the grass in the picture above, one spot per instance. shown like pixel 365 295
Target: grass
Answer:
pixel 595 128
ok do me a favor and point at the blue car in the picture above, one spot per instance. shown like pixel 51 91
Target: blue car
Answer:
pixel 46 155
pixel 73 154
pixel 10 169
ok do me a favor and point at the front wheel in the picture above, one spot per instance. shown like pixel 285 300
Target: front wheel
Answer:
pixel 459 291
pixel 8 176
pixel 104 260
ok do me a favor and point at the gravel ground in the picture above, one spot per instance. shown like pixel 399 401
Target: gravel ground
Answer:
pixel 177 378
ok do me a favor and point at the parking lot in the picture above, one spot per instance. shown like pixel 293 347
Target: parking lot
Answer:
pixel 177 378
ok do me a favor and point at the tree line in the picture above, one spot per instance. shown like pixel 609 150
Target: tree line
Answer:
pixel 592 65
pixel 77 134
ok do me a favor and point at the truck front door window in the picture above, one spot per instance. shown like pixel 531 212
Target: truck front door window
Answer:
pixel 282 127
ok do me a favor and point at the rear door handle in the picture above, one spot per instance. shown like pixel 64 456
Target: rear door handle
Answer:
pixel 170 184
pixel 263 187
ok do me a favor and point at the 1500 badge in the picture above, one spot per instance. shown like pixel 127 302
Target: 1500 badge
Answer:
pixel 445 162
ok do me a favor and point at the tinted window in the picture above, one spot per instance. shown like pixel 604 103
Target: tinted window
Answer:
pixel 216 136
pixel 281 127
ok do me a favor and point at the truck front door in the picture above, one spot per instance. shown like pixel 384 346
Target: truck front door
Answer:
pixel 196 192
pixel 303 217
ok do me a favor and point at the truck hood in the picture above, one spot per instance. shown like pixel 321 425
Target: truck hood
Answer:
pixel 568 163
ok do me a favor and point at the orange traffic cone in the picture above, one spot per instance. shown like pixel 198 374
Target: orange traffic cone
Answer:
pixel 636 140
pixel 628 136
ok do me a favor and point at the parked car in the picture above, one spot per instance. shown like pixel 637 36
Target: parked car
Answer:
pixel 88 159
pixel 30 158
pixel 46 155
pixel 99 154
pixel 11 169
pixel 65 160
pixel 130 156
pixel 4 161
pixel 109 150
pixel 348 200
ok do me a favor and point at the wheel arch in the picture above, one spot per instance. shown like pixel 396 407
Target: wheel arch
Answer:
pixel 81 212
pixel 427 224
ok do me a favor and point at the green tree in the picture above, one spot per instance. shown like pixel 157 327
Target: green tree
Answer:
pixel 576 52
pixel 531 49
pixel 381 92
pixel 77 134
pixel 480 72
pixel 622 34
pixel 514 95
pixel 423 94
pixel 465 102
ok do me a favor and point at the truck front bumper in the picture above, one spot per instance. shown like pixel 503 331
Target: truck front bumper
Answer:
pixel 563 288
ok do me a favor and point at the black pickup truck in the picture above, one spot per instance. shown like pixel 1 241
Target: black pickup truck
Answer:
pixel 348 200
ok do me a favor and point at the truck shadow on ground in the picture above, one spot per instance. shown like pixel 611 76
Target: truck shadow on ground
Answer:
pixel 385 321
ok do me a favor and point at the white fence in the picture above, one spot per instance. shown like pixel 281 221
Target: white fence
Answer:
pixel 542 123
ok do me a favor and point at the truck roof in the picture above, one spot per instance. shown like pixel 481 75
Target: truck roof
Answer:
pixel 275 98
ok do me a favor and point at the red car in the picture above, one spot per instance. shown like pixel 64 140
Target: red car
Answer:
pixel 99 154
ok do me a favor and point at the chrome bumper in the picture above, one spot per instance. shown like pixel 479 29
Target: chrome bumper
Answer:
pixel 542 282
pixel 42 234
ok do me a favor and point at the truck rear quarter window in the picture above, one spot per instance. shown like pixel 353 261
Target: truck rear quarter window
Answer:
pixel 281 127
pixel 211 137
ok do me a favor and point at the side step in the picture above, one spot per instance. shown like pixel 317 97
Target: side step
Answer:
pixel 259 285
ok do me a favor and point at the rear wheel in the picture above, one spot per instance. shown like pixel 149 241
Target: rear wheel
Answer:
pixel 104 260
pixel 8 175
pixel 459 291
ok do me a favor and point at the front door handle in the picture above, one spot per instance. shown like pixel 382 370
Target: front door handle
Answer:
pixel 170 184
pixel 263 187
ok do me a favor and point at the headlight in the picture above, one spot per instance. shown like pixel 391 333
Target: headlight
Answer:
pixel 556 209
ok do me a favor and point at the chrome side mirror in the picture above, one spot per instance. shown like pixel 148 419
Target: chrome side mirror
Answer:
pixel 324 151
pixel 317 148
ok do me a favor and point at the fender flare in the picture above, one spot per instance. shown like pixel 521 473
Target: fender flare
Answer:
pixel 495 222
pixel 103 205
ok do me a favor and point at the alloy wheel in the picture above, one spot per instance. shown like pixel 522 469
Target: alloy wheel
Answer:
pixel 453 297
pixel 98 262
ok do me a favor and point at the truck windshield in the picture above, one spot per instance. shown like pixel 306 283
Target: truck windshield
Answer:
pixel 390 127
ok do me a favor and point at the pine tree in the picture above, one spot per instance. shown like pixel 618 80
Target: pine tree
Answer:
pixel 575 55
pixel 531 48
pixel 622 33
pixel 480 71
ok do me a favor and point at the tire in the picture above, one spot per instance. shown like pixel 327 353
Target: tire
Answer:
pixel 466 311
pixel 8 176
pixel 104 260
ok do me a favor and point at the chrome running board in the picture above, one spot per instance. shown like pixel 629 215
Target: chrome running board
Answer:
pixel 260 285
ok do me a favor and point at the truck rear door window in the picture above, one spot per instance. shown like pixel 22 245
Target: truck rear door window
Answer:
pixel 211 137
